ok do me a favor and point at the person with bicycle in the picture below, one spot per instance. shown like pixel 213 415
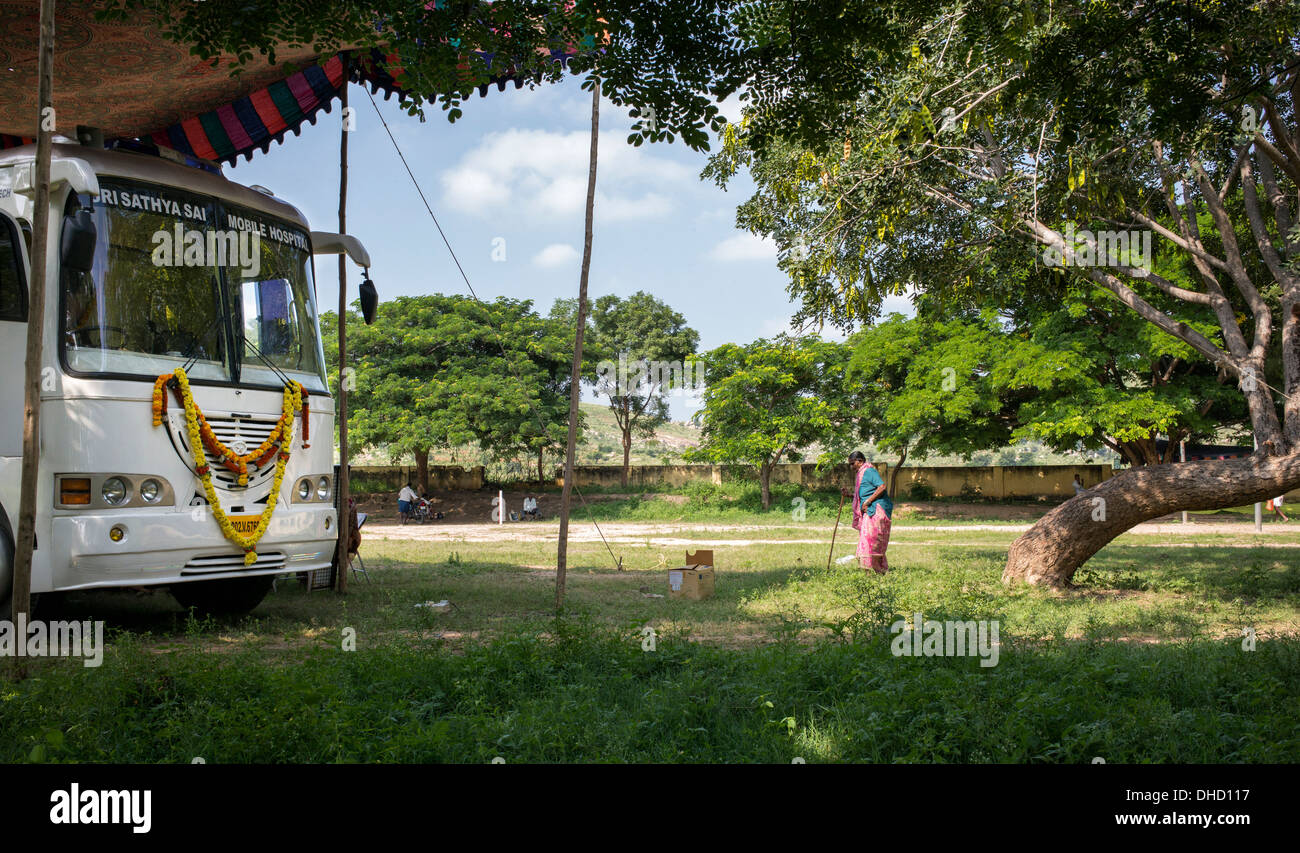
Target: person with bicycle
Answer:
pixel 406 499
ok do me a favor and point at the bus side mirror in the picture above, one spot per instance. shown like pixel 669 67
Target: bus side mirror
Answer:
pixel 77 251
pixel 369 298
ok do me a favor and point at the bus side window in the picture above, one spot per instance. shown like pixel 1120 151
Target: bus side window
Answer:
pixel 13 289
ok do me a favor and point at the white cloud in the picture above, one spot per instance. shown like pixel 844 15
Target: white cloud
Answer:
pixel 744 247
pixel 556 255
pixel 543 175
pixel 652 205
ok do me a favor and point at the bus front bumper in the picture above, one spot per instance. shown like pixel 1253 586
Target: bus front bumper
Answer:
pixel 174 545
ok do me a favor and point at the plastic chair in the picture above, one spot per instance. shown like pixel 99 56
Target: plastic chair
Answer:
pixel 361 522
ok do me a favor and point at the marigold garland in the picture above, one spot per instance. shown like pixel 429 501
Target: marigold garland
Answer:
pixel 202 437
pixel 295 398
pixel 159 399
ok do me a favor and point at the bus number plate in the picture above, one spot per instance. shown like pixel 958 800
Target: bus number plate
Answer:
pixel 244 524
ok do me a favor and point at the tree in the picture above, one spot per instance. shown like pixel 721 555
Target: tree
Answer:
pixel 978 138
pixel 918 386
pixel 449 371
pixel 636 349
pixel 1073 375
pixel 1097 375
pixel 769 399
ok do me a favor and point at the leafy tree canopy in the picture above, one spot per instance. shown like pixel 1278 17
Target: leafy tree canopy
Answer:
pixel 767 400
pixel 449 371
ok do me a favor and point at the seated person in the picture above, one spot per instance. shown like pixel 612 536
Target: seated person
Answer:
pixel 530 508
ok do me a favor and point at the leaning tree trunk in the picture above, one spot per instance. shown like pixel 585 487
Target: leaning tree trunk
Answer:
pixel 893 475
pixel 1051 551
pixel 765 483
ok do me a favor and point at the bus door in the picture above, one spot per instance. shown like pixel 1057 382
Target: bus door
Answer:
pixel 13 335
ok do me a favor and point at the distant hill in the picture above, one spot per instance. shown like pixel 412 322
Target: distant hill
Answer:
pixel 602 442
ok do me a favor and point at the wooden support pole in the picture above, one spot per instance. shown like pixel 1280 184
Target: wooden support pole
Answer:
pixel 345 517
pixel 22 587
pixel 575 376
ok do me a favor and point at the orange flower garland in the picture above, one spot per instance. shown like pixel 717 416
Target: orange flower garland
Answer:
pixel 159 399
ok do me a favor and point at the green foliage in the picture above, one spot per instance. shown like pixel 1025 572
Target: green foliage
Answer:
pixel 921 491
pixel 360 484
pixel 920 386
pixel 448 371
pixel 1077 373
pixel 767 399
pixel 518 697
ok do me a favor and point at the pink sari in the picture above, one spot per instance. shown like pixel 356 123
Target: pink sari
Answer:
pixel 873 530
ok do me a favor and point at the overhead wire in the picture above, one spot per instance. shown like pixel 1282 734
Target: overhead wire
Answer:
pixel 618 562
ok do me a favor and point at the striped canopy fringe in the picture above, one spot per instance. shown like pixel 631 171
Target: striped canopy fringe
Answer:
pixel 252 123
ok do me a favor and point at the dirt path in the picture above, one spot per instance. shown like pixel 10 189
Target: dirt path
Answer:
pixel 661 533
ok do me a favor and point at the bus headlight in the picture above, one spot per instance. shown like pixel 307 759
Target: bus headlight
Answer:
pixel 111 491
pixel 151 491
pixel 313 489
pixel 114 491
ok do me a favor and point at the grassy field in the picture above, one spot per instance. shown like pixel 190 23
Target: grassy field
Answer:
pixel 1144 662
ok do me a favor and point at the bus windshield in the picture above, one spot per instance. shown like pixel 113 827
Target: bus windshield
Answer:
pixel 183 279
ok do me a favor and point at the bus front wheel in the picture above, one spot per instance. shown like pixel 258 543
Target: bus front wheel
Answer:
pixel 228 597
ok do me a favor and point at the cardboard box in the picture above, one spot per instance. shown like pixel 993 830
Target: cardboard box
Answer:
pixel 694 580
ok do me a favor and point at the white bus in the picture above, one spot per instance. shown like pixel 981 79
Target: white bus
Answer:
pixel 158 263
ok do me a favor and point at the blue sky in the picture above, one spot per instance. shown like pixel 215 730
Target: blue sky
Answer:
pixel 514 169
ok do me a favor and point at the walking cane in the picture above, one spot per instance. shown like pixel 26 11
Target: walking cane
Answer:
pixel 833 532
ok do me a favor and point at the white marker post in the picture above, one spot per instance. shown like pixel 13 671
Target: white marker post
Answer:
pixel 1182 457
pixel 501 506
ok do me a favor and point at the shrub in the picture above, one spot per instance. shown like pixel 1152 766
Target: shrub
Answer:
pixel 921 491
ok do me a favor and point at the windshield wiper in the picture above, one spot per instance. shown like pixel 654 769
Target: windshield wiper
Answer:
pixel 192 352
pixel 257 352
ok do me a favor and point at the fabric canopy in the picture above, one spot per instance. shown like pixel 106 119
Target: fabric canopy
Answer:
pixel 128 81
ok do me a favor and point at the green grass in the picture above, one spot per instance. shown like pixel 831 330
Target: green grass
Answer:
pixel 1143 662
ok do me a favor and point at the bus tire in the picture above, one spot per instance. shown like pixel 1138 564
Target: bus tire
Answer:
pixel 226 597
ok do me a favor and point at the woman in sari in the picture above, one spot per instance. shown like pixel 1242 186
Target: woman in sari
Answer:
pixel 872 509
